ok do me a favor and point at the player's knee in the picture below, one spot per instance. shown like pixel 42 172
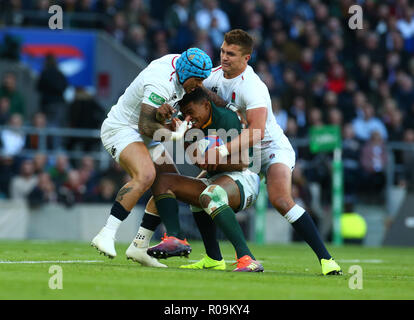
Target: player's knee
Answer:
pixel 212 198
pixel 145 178
pixel 281 203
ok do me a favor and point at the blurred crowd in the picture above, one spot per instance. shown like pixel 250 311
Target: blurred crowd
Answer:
pixel 318 70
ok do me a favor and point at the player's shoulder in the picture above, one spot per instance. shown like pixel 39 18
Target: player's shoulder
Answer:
pixel 161 71
pixel 249 76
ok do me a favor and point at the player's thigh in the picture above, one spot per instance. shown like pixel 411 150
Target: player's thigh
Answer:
pixel 279 187
pixel 232 190
pixel 167 165
pixel 136 160
pixel 186 189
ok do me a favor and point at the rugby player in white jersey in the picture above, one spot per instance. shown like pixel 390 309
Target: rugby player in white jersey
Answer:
pixel 127 134
pixel 240 87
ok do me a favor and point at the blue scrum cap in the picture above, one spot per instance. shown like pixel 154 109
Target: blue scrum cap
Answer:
pixel 193 62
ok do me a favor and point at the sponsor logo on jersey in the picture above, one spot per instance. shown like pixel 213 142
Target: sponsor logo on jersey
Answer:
pixel 155 98
pixel 272 156
pixel 214 89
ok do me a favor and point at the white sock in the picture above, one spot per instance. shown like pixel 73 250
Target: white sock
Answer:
pixel 295 213
pixel 143 237
pixel 112 225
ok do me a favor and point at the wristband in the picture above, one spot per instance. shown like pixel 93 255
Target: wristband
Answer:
pixel 231 106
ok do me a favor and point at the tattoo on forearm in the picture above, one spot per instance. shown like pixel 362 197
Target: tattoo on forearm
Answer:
pixel 148 123
pixel 218 101
pixel 122 192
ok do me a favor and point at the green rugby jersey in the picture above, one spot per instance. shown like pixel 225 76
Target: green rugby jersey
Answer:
pixel 222 118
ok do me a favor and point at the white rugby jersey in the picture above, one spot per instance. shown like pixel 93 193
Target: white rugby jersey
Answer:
pixel 155 85
pixel 246 91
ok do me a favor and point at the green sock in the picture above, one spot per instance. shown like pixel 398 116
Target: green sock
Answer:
pixel 167 207
pixel 225 218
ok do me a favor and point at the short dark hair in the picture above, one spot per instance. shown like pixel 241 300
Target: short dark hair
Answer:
pixel 197 95
pixel 241 38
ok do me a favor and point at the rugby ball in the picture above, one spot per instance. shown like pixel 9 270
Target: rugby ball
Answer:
pixel 209 142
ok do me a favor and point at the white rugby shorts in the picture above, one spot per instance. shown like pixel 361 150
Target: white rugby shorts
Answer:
pixel 116 138
pixel 271 152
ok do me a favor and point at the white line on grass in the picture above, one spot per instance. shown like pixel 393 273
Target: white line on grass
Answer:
pixel 362 261
pixel 54 261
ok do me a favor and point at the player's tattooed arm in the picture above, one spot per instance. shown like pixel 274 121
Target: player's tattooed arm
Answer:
pixel 148 124
pixel 215 98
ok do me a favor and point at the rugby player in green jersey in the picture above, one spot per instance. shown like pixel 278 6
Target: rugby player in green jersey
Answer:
pixel 214 198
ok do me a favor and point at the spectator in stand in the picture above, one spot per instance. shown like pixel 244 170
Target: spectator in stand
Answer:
pixel 178 23
pixel 404 91
pixel 104 193
pixel 364 127
pixel 314 118
pixel 23 184
pixel 318 89
pixel 335 117
pixel 351 154
pixel 361 72
pixel 373 162
pixel 345 99
pixel 89 174
pixel 4 110
pixel 395 126
pixel 280 114
pixel 51 86
pixel 210 17
pixel 36 141
pixel 6 175
pixel 298 112
pixel 406 24
pixel 137 42
pixel 59 172
pixel 13 138
pixel 44 192
pixel 119 28
pixel 85 102
pixel 409 117
pixel 336 78
pixel 135 11
pixel 72 191
pixel 40 163
pixel 9 90
pixel 276 68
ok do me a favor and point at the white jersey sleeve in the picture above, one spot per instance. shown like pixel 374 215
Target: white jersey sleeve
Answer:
pixel 257 98
pixel 154 95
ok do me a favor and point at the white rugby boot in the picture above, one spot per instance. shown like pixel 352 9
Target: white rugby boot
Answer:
pixel 141 256
pixel 104 242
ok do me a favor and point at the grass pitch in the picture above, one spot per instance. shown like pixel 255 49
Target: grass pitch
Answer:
pixel 291 272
